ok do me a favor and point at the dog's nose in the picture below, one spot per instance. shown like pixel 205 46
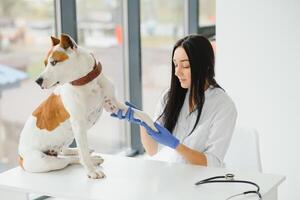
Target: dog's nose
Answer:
pixel 39 81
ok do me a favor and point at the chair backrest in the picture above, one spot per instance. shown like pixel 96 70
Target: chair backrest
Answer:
pixel 243 152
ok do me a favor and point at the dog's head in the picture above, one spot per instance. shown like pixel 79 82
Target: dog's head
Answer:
pixel 64 63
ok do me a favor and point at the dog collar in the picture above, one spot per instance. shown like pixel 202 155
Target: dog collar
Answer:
pixel 90 76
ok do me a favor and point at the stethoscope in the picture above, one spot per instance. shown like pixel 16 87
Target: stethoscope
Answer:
pixel 229 178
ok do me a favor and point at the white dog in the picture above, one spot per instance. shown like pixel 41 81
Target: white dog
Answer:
pixel 75 105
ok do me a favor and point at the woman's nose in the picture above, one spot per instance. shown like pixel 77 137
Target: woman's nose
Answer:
pixel 178 70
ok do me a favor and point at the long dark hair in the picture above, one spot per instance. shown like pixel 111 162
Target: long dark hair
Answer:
pixel 202 64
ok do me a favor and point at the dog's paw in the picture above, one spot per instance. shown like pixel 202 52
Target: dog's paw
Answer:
pixel 110 105
pixel 91 151
pixel 71 151
pixel 73 160
pixel 96 174
pixel 145 118
pixel 97 160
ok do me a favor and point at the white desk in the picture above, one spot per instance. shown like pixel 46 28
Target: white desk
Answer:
pixel 134 179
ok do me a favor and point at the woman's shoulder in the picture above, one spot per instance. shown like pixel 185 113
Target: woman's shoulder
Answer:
pixel 164 95
pixel 219 104
pixel 162 100
pixel 220 96
pixel 161 103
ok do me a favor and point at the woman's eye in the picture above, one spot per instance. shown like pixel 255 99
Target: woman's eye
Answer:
pixel 53 62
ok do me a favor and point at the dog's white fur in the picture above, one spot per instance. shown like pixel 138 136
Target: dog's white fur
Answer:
pixel 84 105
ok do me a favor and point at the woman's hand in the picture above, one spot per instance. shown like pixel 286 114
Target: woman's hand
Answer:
pixel 163 136
pixel 129 115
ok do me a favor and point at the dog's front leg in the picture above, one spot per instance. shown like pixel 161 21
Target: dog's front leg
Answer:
pixel 80 130
pixel 112 105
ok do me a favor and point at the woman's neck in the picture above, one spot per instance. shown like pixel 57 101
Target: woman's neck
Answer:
pixel 193 106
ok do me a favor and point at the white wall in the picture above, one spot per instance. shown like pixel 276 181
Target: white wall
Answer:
pixel 258 64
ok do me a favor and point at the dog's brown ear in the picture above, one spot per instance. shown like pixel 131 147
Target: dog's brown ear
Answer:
pixel 54 40
pixel 66 41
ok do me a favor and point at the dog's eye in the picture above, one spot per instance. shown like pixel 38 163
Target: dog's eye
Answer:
pixel 53 62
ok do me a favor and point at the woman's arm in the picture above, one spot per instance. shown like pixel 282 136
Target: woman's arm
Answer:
pixel 191 156
pixel 149 144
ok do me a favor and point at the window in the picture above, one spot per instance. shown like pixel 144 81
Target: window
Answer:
pixel 207 19
pixel 161 27
pixel 25 27
pixel 100 30
pixel 207 12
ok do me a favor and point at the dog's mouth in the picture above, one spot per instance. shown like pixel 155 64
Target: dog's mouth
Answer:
pixel 44 86
pixel 55 84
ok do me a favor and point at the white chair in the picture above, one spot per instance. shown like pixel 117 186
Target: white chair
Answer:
pixel 243 152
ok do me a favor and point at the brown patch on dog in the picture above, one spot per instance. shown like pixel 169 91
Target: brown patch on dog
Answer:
pixel 59 56
pixel 47 56
pixel 51 113
pixel 51 153
pixel 21 162
pixel 55 41
pixel 66 41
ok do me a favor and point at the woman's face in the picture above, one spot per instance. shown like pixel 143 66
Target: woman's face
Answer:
pixel 182 67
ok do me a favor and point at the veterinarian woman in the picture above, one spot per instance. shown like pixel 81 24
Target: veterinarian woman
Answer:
pixel 195 117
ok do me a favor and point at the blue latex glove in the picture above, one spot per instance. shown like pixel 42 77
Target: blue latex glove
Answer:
pixel 128 115
pixel 119 114
pixel 163 136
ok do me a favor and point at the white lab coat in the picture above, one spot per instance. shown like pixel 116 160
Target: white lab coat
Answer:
pixel 213 132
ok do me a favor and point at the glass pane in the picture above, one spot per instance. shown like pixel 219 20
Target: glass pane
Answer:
pixel 25 29
pixel 100 31
pixel 207 12
pixel 161 27
pixel 207 19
